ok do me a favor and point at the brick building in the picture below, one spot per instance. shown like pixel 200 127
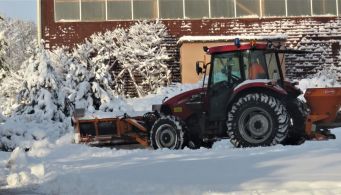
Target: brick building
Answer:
pixel 308 23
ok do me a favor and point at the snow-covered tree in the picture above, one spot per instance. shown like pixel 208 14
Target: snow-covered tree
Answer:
pixel 9 87
pixel 17 39
pixel 20 38
pixel 140 58
pixel 3 48
pixel 3 67
pixel 87 79
pixel 42 96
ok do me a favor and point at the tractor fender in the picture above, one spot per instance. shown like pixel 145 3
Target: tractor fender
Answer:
pixel 260 84
pixel 256 86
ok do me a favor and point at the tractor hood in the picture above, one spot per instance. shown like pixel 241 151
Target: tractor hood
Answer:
pixel 178 105
pixel 183 97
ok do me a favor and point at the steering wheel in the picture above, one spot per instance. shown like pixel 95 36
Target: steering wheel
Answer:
pixel 235 78
pixel 215 88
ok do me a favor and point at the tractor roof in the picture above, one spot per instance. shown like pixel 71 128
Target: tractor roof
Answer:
pixel 234 47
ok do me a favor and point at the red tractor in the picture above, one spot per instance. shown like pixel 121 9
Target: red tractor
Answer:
pixel 245 99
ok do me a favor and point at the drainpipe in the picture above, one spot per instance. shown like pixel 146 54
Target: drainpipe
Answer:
pixel 39 21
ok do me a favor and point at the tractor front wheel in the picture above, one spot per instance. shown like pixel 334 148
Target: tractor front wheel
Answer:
pixel 257 120
pixel 167 132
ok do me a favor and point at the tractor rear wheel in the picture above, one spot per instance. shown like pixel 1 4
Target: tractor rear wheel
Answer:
pixel 257 120
pixel 298 111
pixel 167 132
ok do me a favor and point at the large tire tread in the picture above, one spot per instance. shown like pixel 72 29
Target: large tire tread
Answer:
pixel 175 123
pixel 280 115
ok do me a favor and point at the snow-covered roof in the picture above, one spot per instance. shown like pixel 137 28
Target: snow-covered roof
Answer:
pixel 200 39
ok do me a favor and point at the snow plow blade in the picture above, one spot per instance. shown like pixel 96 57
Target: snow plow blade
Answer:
pixel 324 104
pixel 100 131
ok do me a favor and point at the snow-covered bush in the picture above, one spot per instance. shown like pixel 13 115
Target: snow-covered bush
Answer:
pixel 9 87
pixel 42 96
pixel 43 107
pixel 141 59
pixel 87 81
pixel 136 57
pixel 102 68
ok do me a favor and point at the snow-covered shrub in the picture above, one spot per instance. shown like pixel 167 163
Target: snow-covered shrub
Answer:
pixel 103 66
pixel 42 96
pixel 136 57
pixel 141 59
pixel 9 87
pixel 87 81
pixel 43 107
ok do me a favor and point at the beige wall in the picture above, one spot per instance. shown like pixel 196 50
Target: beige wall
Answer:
pixel 190 53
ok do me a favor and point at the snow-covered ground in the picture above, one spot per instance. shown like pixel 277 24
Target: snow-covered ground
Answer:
pixel 64 168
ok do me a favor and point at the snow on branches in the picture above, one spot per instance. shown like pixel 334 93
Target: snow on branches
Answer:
pixel 42 95
pixel 136 57
pixel 20 37
pixel 87 80
pixel 17 40
pixel 3 48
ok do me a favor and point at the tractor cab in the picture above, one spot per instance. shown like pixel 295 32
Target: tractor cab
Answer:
pixel 234 65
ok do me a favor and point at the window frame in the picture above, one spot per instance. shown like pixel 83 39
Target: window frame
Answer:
pixel 105 14
pixel 112 20
pixel 323 15
pixel 66 21
pixel 157 10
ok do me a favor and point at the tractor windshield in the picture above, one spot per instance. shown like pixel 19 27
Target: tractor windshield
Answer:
pixel 222 62
pixel 248 65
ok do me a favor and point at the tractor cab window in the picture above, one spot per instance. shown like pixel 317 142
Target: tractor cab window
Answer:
pixel 221 65
pixel 255 65
pixel 274 73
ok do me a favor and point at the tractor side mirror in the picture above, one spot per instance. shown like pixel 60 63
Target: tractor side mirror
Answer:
pixel 198 68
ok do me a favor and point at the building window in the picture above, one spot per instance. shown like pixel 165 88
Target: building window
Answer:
pixel 171 9
pixel 196 8
pixel 247 8
pixel 67 10
pixel 273 7
pixel 93 10
pixel 299 8
pixel 101 10
pixel 119 10
pixel 324 7
pixel 145 9
pixel 222 8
